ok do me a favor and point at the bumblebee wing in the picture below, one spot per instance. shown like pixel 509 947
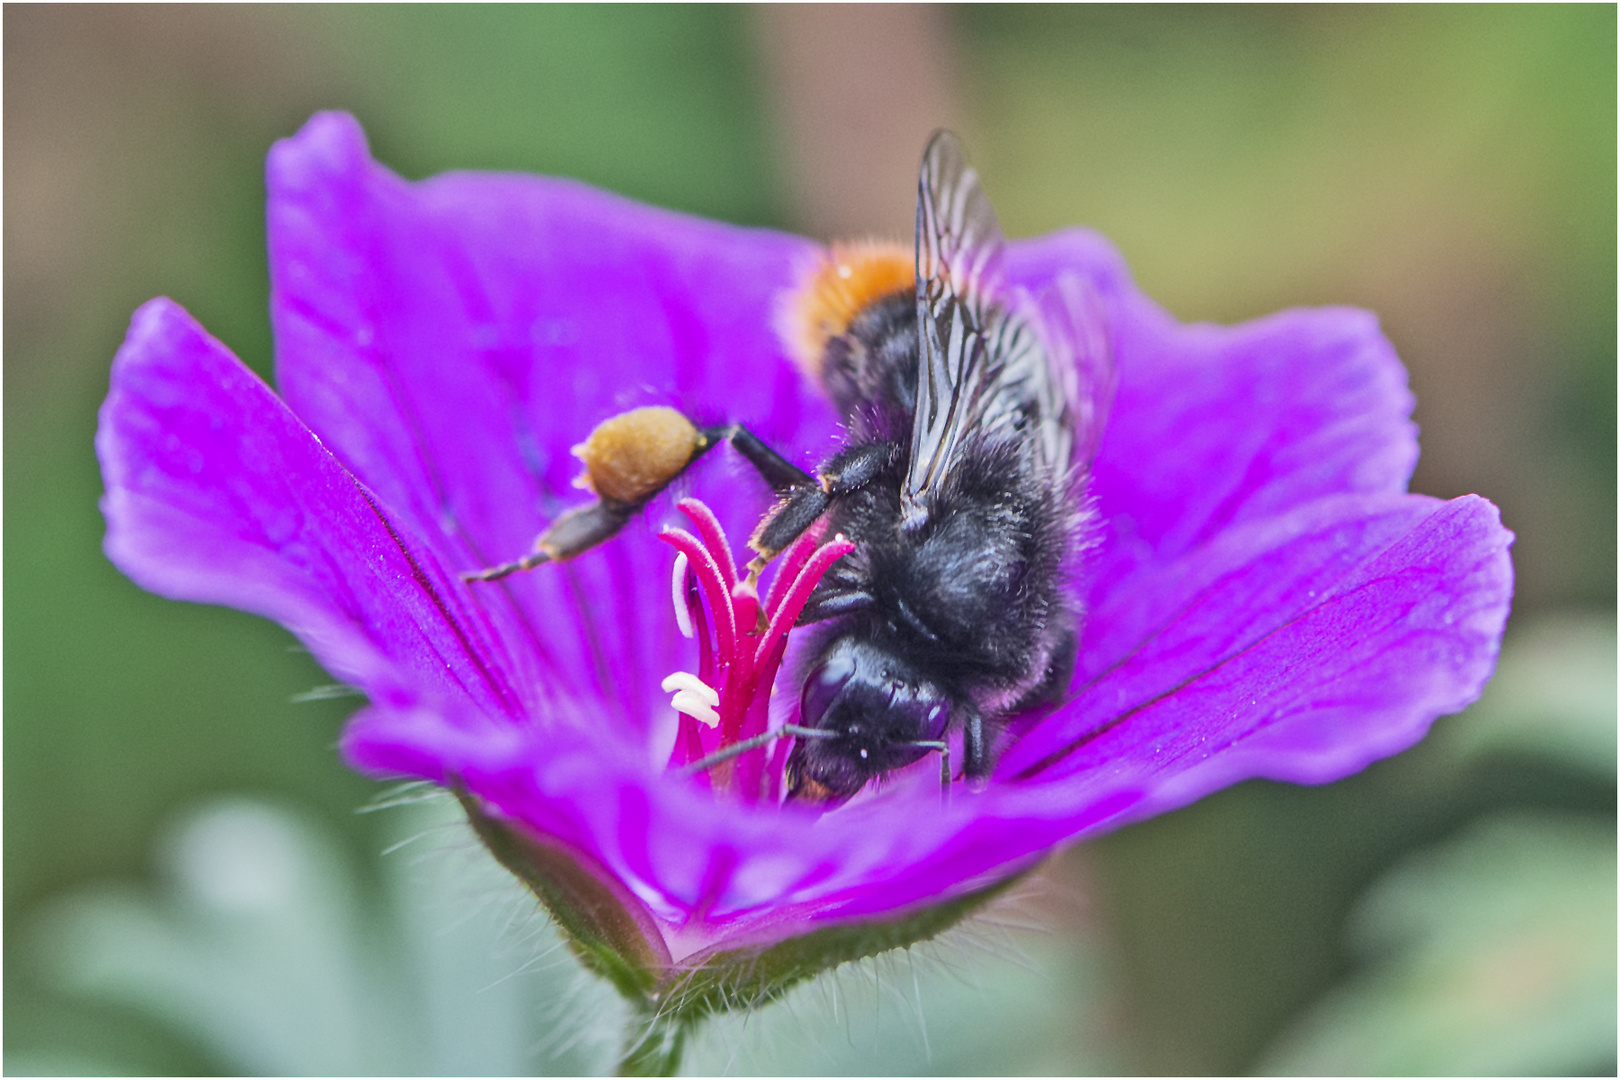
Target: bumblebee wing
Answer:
pixel 983 374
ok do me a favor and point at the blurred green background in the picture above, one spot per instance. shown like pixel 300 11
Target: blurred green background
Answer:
pixel 188 887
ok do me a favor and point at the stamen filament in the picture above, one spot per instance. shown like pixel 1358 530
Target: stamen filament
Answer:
pixel 799 592
pixel 739 656
pixel 710 578
pixel 700 623
pixel 714 539
pixel 789 563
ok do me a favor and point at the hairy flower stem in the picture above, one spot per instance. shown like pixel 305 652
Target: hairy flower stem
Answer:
pixel 653 1045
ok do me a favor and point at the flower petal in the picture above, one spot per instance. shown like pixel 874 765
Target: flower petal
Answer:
pixel 1215 426
pixel 1299 648
pixel 452 339
pixel 217 494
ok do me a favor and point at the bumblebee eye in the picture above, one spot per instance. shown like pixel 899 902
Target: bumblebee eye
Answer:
pixel 920 714
pixel 823 686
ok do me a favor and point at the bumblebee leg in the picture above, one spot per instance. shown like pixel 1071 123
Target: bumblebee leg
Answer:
pixel 578 530
pixel 628 459
pixel 976 767
pixel 853 468
pixel 632 457
pixel 832 604
pixel 786 522
pixel 944 749
pixel 777 471
pixel 849 470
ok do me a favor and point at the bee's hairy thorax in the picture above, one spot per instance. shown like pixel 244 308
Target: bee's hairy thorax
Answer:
pixel 972 594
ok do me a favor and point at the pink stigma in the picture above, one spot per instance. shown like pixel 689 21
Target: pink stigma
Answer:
pixel 740 648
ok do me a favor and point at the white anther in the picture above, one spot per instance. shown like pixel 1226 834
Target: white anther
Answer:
pixel 683 617
pixel 693 697
pixel 689 703
pixel 685 680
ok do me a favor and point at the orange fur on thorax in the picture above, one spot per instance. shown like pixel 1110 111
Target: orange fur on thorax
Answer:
pixel 848 279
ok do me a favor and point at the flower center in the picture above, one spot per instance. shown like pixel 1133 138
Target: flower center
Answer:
pixel 725 706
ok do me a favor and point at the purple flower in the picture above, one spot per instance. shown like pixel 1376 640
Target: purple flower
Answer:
pixel 1265 600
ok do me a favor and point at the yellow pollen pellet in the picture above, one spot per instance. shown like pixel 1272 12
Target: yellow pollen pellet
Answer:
pixel 631 457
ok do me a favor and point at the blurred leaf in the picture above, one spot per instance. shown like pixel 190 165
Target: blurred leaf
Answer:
pixel 253 948
pixel 497 992
pixel 1494 954
pixel 1241 156
pixel 1553 695
pixel 61 1062
pixel 261 950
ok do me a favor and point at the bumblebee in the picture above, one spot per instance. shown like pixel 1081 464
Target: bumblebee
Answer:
pixel 961 481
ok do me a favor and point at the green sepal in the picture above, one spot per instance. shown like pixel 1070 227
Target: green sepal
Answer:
pixel 744 978
pixel 609 931
pixel 614 936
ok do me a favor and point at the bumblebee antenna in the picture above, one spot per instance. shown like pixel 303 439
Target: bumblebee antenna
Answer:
pixel 719 757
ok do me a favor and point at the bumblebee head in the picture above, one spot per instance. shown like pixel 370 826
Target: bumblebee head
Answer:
pixel 873 708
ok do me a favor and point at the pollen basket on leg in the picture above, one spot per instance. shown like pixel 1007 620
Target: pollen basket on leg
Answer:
pixel 631 457
pixel 850 278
